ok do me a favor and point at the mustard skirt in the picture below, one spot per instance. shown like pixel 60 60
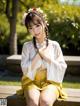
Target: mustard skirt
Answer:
pixel 41 82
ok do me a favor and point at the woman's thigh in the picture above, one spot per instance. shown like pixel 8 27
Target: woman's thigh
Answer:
pixel 49 95
pixel 32 96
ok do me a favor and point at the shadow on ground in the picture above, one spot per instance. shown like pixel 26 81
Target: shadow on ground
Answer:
pixel 6 75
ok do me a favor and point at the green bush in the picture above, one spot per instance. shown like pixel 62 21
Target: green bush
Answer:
pixel 23 36
pixel 4 34
pixel 64 26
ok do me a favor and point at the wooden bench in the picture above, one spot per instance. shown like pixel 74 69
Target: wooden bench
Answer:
pixel 8 92
pixel 73 62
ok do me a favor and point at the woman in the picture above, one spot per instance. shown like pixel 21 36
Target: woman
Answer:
pixel 42 63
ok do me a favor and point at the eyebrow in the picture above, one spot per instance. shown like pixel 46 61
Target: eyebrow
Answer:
pixel 33 24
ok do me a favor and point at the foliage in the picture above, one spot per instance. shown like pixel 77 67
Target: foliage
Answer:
pixel 4 33
pixel 64 24
pixel 2 6
pixel 3 29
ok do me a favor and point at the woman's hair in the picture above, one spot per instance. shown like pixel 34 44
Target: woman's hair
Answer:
pixel 36 16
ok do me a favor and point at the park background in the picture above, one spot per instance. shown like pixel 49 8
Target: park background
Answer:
pixel 64 27
pixel 63 18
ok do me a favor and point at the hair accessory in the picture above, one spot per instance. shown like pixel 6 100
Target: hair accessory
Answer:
pixel 36 10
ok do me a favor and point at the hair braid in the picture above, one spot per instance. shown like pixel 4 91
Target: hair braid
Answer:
pixel 46 30
pixel 34 42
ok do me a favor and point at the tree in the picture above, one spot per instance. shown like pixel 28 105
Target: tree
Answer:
pixel 11 13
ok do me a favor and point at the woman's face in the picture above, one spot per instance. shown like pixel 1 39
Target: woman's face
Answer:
pixel 37 30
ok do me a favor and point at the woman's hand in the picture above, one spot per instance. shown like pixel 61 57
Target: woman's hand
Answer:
pixel 44 53
pixel 44 50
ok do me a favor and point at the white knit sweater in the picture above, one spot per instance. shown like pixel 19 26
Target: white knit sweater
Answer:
pixel 55 70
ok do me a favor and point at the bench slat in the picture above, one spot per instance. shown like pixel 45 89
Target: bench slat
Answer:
pixel 71 60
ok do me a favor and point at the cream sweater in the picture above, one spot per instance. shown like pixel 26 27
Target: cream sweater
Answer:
pixel 55 70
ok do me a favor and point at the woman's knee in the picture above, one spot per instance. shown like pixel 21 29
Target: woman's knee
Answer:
pixel 32 97
pixel 32 102
pixel 47 101
pixel 43 103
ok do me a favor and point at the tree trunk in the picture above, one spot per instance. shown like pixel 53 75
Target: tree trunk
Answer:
pixel 13 35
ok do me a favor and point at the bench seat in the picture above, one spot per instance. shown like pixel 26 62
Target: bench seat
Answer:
pixel 9 92
pixel 73 62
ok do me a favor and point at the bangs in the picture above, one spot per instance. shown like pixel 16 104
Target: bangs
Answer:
pixel 32 18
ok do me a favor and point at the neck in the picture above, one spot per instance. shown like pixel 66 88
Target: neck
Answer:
pixel 42 39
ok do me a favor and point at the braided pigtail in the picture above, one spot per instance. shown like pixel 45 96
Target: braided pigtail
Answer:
pixel 34 42
pixel 46 31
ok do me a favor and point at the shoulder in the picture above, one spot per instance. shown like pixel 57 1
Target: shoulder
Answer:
pixel 54 43
pixel 56 46
pixel 27 44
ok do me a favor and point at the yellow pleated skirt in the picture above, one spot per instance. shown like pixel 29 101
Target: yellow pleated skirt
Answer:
pixel 41 82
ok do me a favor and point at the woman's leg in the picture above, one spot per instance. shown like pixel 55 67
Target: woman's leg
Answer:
pixel 49 95
pixel 32 96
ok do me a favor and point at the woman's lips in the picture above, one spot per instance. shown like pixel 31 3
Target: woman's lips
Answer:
pixel 37 34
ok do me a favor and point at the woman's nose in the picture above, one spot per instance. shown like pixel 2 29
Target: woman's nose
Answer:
pixel 35 30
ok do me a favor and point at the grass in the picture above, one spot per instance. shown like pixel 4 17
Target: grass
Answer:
pixel 71 85
pixel 69 81
pixel 65 84
pixel 14 83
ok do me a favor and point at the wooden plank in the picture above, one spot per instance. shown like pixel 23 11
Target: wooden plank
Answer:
pixel 15 100
pixel 14 59
pixel 70 60
pixel 72 92
pixel 13 63
pixel 10 90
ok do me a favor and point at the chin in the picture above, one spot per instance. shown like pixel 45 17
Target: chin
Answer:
pixel 38 36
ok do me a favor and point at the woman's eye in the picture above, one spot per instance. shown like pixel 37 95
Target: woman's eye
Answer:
pixel 30 28
pixel 37 25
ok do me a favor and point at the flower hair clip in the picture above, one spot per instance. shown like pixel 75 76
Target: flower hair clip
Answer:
pixel 36 10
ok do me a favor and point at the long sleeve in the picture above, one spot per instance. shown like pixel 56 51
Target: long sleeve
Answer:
pixel 57 65
pixel 25 61
pixel 28 53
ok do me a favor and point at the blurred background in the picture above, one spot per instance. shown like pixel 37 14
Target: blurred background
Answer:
pixel 64 27
pixel 63 18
